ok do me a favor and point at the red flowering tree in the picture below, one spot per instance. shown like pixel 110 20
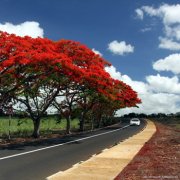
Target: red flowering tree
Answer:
pixel 12 49
pixel 28 74
pixel 35 71
pixel 95 81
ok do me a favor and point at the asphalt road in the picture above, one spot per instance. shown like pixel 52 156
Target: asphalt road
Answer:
pixel 38 161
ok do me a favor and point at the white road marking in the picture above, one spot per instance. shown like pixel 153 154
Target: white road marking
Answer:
pixel 49 147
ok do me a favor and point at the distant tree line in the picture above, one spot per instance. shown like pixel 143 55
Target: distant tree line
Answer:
pixel 153 115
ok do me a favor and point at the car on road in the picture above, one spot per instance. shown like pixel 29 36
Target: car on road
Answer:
pixel 135 121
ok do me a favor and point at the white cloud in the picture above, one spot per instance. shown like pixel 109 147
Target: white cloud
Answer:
pixel 30 28
pixel 169 44
pixel 156 97
pixel 138 86
pixel 170 17
pixel 170 63
pixel 120 48
pixel 139 13
pixel 113 72
pixel 173 32
pixel 164 84
pixel 170 14
pixel 151 11
pixel 155 103
pixel 97 52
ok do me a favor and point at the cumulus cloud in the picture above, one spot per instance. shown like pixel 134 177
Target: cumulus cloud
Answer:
pixel 139 13
pixel 172 32
pixel 29 28
pixel 158 94
pixel 138 86
pixel 151 11
pixel 169 63
pixel 155 103
pixel 170 14
pixel 97 52
pixel 120 48
pixel 164 84
pixel 166 43
pixel 170 17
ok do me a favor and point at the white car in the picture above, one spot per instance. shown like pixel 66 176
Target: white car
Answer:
pixel 135 121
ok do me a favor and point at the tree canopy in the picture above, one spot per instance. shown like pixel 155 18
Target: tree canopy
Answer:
pixel 35 71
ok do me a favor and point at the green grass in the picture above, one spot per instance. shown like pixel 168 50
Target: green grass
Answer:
pixel 24 126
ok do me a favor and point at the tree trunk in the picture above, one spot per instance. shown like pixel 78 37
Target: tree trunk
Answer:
pixel 99 122
pixel 81 123
pixel 92 123
pixel 68 125
pixel 36 123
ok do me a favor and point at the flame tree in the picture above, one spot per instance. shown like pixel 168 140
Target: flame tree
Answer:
pixel 35 71
pixel 94 85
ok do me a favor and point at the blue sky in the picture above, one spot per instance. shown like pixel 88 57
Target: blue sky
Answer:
pixel 140 38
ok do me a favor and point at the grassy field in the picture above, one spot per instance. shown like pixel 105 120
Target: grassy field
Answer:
pixel 24 126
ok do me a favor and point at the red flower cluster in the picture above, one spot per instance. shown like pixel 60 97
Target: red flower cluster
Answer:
pixel 26 59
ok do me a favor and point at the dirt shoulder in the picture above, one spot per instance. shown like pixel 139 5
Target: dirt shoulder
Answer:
pixel 158 159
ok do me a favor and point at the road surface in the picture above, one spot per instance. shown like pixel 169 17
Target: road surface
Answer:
pixel 38 161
